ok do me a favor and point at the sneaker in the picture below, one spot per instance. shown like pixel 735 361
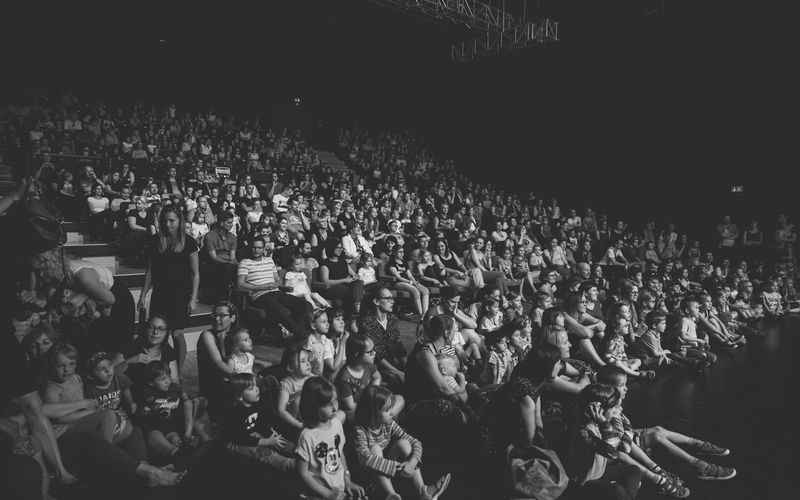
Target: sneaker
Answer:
pixel 713 472
pixel 434 491
pixel 707 448
pixel 672 489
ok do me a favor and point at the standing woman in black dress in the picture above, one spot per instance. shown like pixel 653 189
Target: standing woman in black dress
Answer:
pixel 174 277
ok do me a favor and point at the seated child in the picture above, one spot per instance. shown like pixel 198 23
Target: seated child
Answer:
pixel 673 443
pixel 112 392
pixel 297 279
pixel 448 367
pixel 542 301
pixel 499 364
pixel 240 347
pixel 592 461
pixel 491 317
pixel 688 343
pixel 711 323
pixel 296 362
pixel 63 393
pixel 388 452
pixel 771 299
pixel 358 373
pixel 321 461
pixel 617 432
pixel 247 427
pixel 168 417
pixel 614 351
pixel 366 268
pixel 648 346
pixel 525 327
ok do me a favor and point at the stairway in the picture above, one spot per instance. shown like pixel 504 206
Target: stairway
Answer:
pixel 6 179
pixel 83 245
pixel 331 160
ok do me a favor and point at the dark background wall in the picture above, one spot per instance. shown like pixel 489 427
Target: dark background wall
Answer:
pixel 665 111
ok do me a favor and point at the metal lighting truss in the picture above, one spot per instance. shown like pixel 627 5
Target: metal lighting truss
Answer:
pixel 501 29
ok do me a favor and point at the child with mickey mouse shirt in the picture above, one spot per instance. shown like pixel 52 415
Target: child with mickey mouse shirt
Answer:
pixel 320 448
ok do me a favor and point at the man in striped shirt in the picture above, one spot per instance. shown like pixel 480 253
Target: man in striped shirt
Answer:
pixel 260 277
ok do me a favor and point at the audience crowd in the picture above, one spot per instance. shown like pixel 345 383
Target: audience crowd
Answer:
pixel 530 318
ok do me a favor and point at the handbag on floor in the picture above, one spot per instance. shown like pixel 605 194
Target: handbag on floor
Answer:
pixel 535 473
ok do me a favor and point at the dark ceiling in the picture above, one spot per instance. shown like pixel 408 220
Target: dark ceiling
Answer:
pixel 701 88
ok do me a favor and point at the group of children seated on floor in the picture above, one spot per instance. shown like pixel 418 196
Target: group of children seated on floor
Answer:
pixel 328 391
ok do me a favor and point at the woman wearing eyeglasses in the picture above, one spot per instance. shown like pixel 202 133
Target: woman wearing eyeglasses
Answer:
pixel 150 346
pixel 383 327
pixel 212 370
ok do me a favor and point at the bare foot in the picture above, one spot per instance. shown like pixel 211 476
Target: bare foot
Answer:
pixel 156 476
pixel 66 478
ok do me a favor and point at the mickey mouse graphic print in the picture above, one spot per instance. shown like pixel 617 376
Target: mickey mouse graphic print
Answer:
pixel 322 450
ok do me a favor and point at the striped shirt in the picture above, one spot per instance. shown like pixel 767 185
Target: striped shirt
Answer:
pixel 384 436
pixel 259 273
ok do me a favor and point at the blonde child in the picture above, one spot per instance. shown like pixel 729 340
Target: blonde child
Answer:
pixel 456 346
pixel 388 452
pixel 449 368
pixel 326 358
pixel 321 462
pixel 366 268
pixel 64 392
pixel 239 346
pixel 298 280
pixel 430 273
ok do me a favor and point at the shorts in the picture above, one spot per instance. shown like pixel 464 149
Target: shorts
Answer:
pixel 644 438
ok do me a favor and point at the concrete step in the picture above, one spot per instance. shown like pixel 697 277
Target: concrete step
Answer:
pixel 201 317
pixel 77 237
pixel 90 249
pixel 129 276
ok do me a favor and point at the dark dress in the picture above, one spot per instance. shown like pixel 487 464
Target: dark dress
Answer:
pixel 172 283
pixel 212 383
pixel 503 417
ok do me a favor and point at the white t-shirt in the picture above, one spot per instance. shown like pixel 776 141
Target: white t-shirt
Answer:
pixel 281 202
pixel 297 280
pixel 322 450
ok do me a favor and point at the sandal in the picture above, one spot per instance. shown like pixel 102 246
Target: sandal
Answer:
pixel 671 488
pixel 669 475
pixel 648 374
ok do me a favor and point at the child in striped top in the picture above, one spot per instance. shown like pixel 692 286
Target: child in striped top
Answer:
pixel 386 450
